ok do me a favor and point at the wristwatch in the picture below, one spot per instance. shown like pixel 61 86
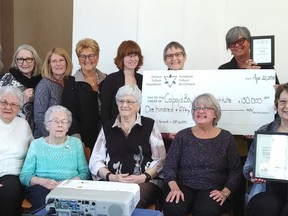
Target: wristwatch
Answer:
pixel 148 177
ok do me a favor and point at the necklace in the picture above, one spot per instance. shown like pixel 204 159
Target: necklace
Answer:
pixel 93 81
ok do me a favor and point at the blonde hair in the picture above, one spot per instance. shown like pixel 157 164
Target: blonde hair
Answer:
pixel 87 43
pixel 46 69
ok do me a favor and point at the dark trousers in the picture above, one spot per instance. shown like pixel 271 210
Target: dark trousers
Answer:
pixel 36 195
pixel 238 197
pixel 149 194
pixel 11 195
pixel 196 200
pixel 268 203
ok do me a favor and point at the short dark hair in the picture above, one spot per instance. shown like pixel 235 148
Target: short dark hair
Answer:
pixel 174 44
pixel 233 34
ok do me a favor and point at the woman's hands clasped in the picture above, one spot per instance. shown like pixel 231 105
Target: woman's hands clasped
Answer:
pixel 127 178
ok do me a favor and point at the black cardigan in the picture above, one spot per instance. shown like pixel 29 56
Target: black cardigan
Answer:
pixel 114 81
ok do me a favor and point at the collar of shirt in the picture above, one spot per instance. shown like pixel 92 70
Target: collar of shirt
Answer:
pixel 137 121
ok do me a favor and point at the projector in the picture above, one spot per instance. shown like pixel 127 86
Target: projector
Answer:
pixel 93 198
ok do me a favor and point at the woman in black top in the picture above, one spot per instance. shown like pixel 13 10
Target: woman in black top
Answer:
pixel 129 59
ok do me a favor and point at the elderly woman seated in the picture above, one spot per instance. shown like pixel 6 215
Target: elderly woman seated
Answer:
pixel 15 136
pixel 203 166
pixel 53 159
pixel 130 148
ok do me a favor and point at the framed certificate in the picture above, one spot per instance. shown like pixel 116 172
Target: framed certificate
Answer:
pixel 271 156
pixel 262 50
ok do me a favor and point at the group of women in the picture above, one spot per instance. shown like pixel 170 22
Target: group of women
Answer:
pixel 64 112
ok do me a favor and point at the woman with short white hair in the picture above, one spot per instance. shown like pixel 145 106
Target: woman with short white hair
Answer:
pixel 130 148
pixel 15 136
pixel 53 158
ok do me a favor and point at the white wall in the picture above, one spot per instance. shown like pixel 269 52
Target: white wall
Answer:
pixel 199 25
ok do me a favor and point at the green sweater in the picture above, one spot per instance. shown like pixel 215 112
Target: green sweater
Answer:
pixel 58 162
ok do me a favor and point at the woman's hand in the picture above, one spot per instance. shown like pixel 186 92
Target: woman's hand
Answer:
pixel 28 95
pixel 219 196
pixel 175 193
pixel 49 183
pixel 76 178
pixel 250 64
pixel 171 136
pixel 256 180
pixel 131 178
pixel 121 178
pixel 249 136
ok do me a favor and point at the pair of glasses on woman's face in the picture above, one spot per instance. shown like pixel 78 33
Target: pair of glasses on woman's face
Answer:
pixel 27 60
pixel 12 105
pixel 282 102
pixel 57 121
pixel 171 56
pixel 239 42
pixel 205 108
pixel 83 57
pixel 128 102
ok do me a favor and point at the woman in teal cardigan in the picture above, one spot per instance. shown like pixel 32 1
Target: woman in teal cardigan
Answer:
pixel 53 159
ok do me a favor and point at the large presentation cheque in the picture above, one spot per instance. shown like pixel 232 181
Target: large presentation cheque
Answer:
pixel 246 97
pixel 271 156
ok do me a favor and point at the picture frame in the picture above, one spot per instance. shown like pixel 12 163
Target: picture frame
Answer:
pixel 262 50
pixel 271 158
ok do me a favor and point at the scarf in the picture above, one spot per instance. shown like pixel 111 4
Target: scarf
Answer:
pixel 25 81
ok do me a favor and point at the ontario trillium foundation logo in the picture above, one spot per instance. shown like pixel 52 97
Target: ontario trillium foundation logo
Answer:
pixel 170 80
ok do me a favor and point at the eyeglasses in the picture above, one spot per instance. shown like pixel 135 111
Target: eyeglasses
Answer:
pixel 206 108
pixel 21 60
pixel 177 55
pixel 239 42
pixel 57 121
pixel 12 105
pixel 282 102
pixel 132 56
pixel 128 102
pixel 83 57
pixel 55 62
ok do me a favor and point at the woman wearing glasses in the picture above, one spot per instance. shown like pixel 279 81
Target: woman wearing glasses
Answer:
pixel 81 94
pixel 15 136
pixel 202 167
pixel 56 70
pixel 24 74
pixel 238 42
pixel 174 56
pixel 53 158
pixel 129 59
pixel 130 148
pixel 266 197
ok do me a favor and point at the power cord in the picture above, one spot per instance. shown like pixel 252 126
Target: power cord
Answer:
pixel 50 212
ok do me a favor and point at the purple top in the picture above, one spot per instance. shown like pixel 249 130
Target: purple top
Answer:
pixel 203 163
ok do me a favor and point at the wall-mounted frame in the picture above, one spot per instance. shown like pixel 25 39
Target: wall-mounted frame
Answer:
pixel 262 50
